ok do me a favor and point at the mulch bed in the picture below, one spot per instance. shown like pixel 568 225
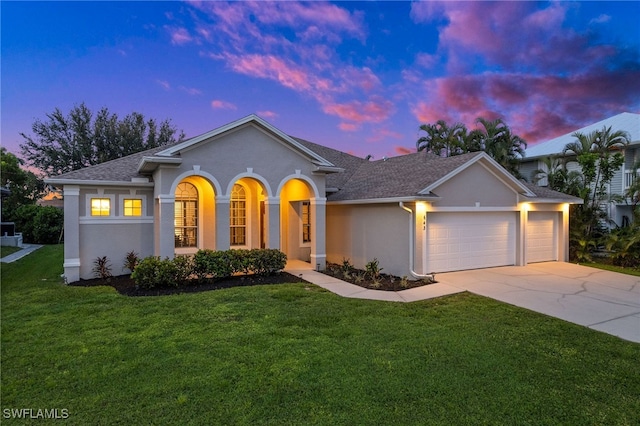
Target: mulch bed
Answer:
pixel 126 286
pixel 384 282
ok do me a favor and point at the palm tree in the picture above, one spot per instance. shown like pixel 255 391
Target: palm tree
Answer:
pixel 502 145
pixel 554 171
pixel 442 140
pixel 595 153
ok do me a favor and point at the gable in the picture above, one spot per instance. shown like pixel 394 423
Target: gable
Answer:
pixel 475 184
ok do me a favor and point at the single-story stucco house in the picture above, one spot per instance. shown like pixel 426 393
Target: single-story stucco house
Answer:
pixel 249 185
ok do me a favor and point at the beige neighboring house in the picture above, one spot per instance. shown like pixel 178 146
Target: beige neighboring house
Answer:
pixel 249 185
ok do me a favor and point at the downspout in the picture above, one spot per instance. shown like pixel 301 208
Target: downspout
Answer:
pixel 412 248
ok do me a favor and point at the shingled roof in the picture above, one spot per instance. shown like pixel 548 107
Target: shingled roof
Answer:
pixel 403 176
pixel 119 170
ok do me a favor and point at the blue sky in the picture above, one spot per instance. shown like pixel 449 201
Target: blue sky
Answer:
pixel 357 76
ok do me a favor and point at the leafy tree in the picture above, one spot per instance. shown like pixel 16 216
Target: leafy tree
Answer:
pixel 599 158
pixel 442 140
pixel 24 185
pixel 497 140
pixel 63 143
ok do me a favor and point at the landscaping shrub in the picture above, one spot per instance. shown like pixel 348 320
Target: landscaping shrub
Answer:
pixel 102 267
pixel 131 260
pixel 153 272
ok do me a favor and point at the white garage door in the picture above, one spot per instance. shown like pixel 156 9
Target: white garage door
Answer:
pixel 542 229
pixel 458 241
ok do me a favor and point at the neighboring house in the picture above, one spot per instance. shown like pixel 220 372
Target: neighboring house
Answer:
pixel 249 185
pixel 619 212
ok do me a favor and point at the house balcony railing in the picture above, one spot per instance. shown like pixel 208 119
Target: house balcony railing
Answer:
pixel 629 177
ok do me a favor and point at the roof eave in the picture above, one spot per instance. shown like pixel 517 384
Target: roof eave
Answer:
pixel 149 164
pixel 88 182
pixel 386 200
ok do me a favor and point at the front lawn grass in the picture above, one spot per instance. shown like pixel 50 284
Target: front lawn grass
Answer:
pixel 614 268
pixel 7 250
pixel 296 354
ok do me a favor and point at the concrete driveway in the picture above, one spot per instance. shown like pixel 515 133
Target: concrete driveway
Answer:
pixel 601 300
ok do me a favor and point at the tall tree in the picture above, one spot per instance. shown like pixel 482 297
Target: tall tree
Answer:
pixel 599 156
pixel 24 185
pixel 497 140
pixel 63 143
pixel 442 140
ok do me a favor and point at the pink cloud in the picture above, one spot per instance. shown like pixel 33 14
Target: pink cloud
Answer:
pixel 348 127
pixel 272 68
pixel 179 36
pixel 219 104
pixel 372 111
pixel 536 107
pixel 268 114
pixel 402 150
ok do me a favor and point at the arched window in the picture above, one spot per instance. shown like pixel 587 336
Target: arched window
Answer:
pixel 238 216
pixel 186 215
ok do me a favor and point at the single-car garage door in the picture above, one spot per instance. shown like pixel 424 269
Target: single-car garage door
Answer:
pixel 542 229
pixel 458 241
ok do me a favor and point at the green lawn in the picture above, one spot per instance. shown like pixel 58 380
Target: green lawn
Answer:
pixel 296 354
pixel 609 267
pixel 6 250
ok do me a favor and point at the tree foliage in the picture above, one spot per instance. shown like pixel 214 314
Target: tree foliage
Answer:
pixel 493 137
pixel 598 154
pixel 63 143
pixel 24 185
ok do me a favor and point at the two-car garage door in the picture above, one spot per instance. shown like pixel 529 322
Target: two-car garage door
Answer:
pixel 459 241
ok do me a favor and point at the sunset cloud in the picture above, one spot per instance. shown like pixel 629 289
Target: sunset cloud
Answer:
pixel 220 104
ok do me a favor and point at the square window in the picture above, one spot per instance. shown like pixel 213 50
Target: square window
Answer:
pixel 100 207
pixel 132 207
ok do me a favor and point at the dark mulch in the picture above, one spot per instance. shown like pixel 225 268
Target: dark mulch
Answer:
pixel 384 282
pixel 126 286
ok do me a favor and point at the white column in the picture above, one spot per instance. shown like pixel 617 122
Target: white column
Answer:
pixel 318 233
pixel 273 222
pixel 222 223
pixel 521 238
pixel 563 243
pixel 72 260
pixel 165 220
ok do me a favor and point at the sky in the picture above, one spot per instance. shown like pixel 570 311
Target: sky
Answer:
pixel 356 76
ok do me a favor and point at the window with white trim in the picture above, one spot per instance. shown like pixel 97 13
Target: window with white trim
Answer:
pixel 132 206
pixel 238 216
pixel 100 207
pixel 186 215
pixel 305 213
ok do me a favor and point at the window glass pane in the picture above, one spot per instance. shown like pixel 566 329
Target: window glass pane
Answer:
pixel 238 216
pixel 186 215
pixel 100 206
pixel 306 222
pixel 133 207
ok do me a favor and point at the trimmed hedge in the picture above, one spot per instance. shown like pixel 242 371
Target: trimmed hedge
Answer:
pixel 154 272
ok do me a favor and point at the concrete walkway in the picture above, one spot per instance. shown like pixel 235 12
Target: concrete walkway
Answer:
pixel 602 300
pixel 26 249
